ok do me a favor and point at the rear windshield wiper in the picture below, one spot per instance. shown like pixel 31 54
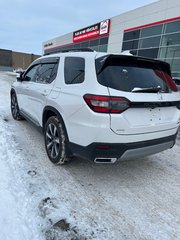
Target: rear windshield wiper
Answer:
pixel 147 90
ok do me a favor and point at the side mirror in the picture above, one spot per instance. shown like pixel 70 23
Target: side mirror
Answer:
pixel 20 76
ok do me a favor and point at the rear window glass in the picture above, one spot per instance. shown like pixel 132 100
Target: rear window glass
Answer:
pixel 125 75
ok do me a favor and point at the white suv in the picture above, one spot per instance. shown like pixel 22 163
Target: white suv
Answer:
pixel 99 106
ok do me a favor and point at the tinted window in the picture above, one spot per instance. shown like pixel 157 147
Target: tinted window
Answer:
pixel 126 75
pixel 94 42
pixel 130 45
pixel 31 74
pixel 74 68
pixel 85 44
pixel 46 73
pixel 151 31
pixel 103 41
pixel 103 48
pixel 56 50
pixel 150 53
pixel 171 39
pixel 170 52
pixel 95 48
pixel 78 45
pixel 172 27
pixel 150 42
pixel 68 47
pixel 131 35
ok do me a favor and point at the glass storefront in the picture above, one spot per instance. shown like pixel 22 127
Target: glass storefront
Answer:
pixel 99 45
pixel 161 41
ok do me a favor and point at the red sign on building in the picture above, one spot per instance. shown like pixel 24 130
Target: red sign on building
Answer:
pixel 92 31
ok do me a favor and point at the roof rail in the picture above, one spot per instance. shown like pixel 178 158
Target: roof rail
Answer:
pixel 72 50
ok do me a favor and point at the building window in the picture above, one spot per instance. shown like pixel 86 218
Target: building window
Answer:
pixel 150 42
pixel 171 39
pixel 94 42
pixel 130 45
pixel 85 44
pixel 95 48
pixel 160 41
pixel 151 31
pixel 131 35
pixel 103 41
pixel 77 45
pixel 172 27
pixel 103 48
pixel 169 52
pixel 150 53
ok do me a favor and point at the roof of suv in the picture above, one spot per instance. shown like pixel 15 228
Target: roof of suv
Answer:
pixel 95 55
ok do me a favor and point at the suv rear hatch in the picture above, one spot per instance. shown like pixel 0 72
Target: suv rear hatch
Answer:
pixel 146 90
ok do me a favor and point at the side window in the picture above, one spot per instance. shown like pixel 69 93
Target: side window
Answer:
pixel 54 71
pixel 74 69
pixel 31 74
pixel 46 73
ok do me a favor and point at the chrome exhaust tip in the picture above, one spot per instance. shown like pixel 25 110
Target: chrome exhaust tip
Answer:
pixel 105 160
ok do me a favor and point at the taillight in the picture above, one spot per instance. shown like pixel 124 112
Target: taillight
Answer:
pixel 171 83
pixel 106 104
pixel 168 79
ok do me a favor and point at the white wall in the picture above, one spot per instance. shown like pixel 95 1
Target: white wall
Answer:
pixel 59 41
pixel 157 11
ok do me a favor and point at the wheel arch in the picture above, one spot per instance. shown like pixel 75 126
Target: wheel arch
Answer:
pixel 50 111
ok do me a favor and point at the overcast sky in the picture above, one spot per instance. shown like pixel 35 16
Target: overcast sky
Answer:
pixel 26 24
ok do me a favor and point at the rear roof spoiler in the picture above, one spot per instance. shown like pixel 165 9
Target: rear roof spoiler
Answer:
pixel 102 62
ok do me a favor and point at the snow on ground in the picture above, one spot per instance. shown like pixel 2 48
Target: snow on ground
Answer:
pixel 127 200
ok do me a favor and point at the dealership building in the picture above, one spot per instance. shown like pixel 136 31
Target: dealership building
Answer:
pixel 151 31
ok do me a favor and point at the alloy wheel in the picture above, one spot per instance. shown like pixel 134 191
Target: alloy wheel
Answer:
pixel 52 140
pixel 14 106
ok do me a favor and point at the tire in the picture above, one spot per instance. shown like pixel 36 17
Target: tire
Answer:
pixel 15 108
pixel 55 141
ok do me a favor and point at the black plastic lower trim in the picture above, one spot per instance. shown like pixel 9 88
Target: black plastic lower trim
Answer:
pixel 113 150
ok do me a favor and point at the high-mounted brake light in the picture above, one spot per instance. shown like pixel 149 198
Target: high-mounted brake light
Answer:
pixel 106 104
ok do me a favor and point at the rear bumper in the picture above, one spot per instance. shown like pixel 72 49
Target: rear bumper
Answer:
pixel 122 151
